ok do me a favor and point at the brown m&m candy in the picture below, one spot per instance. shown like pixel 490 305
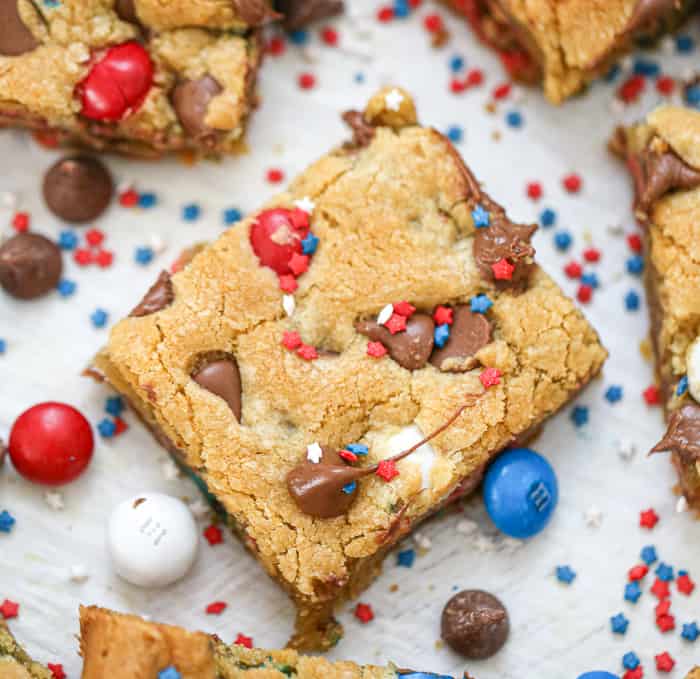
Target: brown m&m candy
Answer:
pixel 475 624
pixel 30 265
pixel 78 189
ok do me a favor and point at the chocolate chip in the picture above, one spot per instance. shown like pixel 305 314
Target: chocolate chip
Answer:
pixel 410 348
pixel 468 333
pixel 159 296
pixel 648 13
pixel 222 377
pixel 657 174
pixel 15 37
pixel 254 12
pixel 362 131
pixel 126 11
pixel 683 434
pixel 300 13
pixel 191 102
pixel 475 624
pixel 78 189
pixel 30 265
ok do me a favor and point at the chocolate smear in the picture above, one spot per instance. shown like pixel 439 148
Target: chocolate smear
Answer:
pixel 362 131
pixel 159 296
pixel 126 11
pixel 222 377
pixel 410 348
pixel 683 434
pixel 15 37
pixel 191 103
pixel 647 14
pixel 656 174
pixel 469 332
pixel 299 14
pixel 30 265
pixel 254 12
pixel 475 624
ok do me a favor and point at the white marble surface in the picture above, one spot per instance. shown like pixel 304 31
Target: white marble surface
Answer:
pixel 558 631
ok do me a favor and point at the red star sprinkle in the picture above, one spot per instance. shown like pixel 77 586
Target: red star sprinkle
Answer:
pixel 662 608
pixel 82 256
pixel 501 91
pixel 387 470
pixel 348 455
pixel 474 78
pixel 573 270
pixel 275 46
pixel 534 190
pixel 288 283
pixel 299 263
pixel 364 613
pixel 457 86
pixel 216 608
pixel 9 609
pixel 128 198
pixel 502 270
pixel 104 258
pixel 213 535
pixel 299 219
pixel 584 293
pixel 665 85
pixel 94 237
pixel 591 255
pixel 376 349
pixel 307 352
pixel 630 90
pixel 637 572
pixel 274 175
pixel 243 640
pixel 433 23
pixel 442 315
pixel 652 395
pixel 648 518
pixel 119 426
pixel 404 309
pixel 664 662
pixel 306 81
pixel 396 323
pixel 56 670
pixel 291 340
pixel 685 585
pixel 490 377
pixel 329 36
pixel 666 623
pixel 20 222
pixel 572 183
pixel 660 589
pixel 385 14
pixel 634 240
pixel 636 673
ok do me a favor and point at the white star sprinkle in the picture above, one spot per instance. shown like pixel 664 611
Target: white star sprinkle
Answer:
pixel 593 517
pixel 314 453
pixel 305 204
pixel 422 541
pixel 169 470
pixel 199 508
pixel 385 314
pixel 626 449
pixel 158 245
pixel 54 499
pixel 78 573
pixel 288 304
pixel 393 100
pixel 8 200
pixel 682 504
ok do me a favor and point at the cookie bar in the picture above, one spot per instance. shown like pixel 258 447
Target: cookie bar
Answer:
pixel 663 157
pixel 566 45
pixel 14 661
pixel 141 77
pixel 112 642
pixel 298 364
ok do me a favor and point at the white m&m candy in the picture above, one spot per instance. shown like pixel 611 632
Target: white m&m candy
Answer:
pixel 152 540
pixel 693 368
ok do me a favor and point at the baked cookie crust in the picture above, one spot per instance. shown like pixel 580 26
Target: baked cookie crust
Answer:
pixel 15 663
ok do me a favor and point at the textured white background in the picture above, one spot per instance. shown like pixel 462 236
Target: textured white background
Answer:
pixel 557 631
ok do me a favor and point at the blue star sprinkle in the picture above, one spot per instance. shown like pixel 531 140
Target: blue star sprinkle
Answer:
pixel 349 488
pixel 480 304
pixel 231 216
pixel 682 386
pixel 357 448
pixel 613 393
pixel 107 428
pixel 685 44
pixel 114 406
pixel 299 37
pixel 562 240
pixel 514 119
pixel 619 623
pixel 630 661
pixel 6 521
pixel 309 244
pixel 456 63
pixel 632 592
pixel 442 334
pixel 67 240
pixel 589 278
pixel 66 287
pixel 648 554
pixel 690 632
pixel 664 572
pixel 3 346
pixel 406 558
pixel 147 200
pixel 481 217
pixel 455 134
pixel 169 673
pixel 548 217
pixel 631 301
pixel 579 415
pixel 191 212
pixel 565 574
pixel 635 265
pixel 99 318
pixel 143 255
pixel 648 69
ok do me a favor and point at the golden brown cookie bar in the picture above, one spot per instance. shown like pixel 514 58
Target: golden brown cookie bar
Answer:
pixel 663 157
pixel 142 77
pixel 567 44
pixel 14 661
pixel 114 644
pixel 694 673
pixel 295 364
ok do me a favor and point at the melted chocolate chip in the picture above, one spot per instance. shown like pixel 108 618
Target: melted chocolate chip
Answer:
pixel 126 11
pixel 222 377
pixel 254 12
pixel 683 434
pixel 15 37
pixel 648 13
pixel 504 240
pixel 299 14
pixel 317 488
pixel 30 265
pixel 159 296
pixel 362 131
pixel 191 102
pixel 468 333
pixel 475 624
pixel 410 348
pixel 78 189
pixel 656 174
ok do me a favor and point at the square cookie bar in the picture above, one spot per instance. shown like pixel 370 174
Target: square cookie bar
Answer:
pixel 111 643
pixel 296 364
pixel 566 44
pixel 14 661
pixel 663 157
pixel 141 77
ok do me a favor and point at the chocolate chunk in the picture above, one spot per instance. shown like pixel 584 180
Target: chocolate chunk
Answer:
pixel 254 12
pixel 362 131
pixel 159 296
pixel 656 174
pixel 78 189
pixel 468 333
pixel 300 13
pixel 683 434
pixel 30 265
pixel 15 37
pixel 191 102
pixel 475 624
pixel 222 377
pixel 410 348
pixel 647 14
pixel 317 488
pixel 126 11
pixel 504 240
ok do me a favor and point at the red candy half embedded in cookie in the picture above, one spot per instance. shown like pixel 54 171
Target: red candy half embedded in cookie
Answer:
pixel 276 237
pixel 117 84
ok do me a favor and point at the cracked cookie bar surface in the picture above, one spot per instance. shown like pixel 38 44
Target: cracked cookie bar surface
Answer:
pixel 384 298
pixel 15 663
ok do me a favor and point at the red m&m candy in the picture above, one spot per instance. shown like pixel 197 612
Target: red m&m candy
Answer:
pixel 51 443
pixel 276 237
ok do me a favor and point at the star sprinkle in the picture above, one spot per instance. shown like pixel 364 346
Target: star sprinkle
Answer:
pixel 243 640
pixel 213 535
pixel 648 554
pixel 364 613
pixel 664 662
pixel 376 349
pixel 690 632
pixel 307 352
pixel 565 574
pixel 684 584
pixel 216 608
pixel 54 500
pixel 481 217
pixel 664 572
pixel 626 450
pixel 579 415
pixel 490 377
pixel 503 270
pixel 291 340
pixel 619 623
pixel 305 204
pixel 441 335
pixel 630 661
pixel 288 304
pixel 613 393
pixel 386 469
pixel 660 589
pixel 593 517
pixel 350 488
pixel 169 673
pixel 637 572
pixel 632 592
pixel 9 609
pixel 396 323
pixel 480 304
pixel 443 315
pixel 357 448
pixel 7 521
pixel 404 309
pixel 636 673
pixel 56 670
pixel 648 519
pixel 666 623
pixel 78 573
pixel 682 386
pixel 314 453
pixel 406 558
pixel 393 100
pixel 652 395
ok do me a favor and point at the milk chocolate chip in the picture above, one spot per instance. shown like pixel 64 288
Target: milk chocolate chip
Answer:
pixel 222 377
pixel 191 102
pixel 410 348
pixel 159 296
pixel 468 333
pixel 254 12
pixel 475 624
pixel 362 131
pixel 126 11
pixel 15 37
pixel 656 174
pixel 30 265
pixel 683 434
pixel 78 189
pixel 648 13
pixel 300 13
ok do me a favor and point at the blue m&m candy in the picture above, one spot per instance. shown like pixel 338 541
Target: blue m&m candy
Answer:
pixel 598 675
pixel 520 492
